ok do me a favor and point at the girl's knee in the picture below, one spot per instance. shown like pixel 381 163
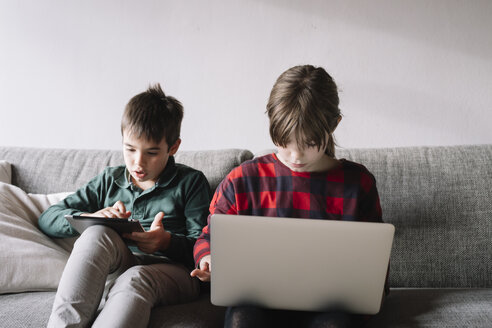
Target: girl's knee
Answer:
pixel 246 316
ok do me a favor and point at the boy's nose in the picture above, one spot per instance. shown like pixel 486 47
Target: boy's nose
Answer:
pixel 139 159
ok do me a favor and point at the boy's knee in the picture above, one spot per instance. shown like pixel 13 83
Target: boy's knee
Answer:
pixel 138 281
pixel 98 231
pixel 161 283
pixel 98 235
pixel 136 277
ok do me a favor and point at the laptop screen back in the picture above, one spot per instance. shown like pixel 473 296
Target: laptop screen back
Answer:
pixel 299 264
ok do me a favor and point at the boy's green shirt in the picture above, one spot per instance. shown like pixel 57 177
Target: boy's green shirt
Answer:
pixel 182 193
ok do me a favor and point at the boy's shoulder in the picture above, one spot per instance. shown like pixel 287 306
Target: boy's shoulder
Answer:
pixel 114 170
pixel 111 172
pixel 114 173
pixel 187 177
pixel 185 170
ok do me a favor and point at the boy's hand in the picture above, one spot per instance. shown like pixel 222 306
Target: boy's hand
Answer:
pixel 118 210
pixel 156 239
pixel 205 269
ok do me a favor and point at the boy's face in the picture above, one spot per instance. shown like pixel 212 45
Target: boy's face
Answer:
pixel 145 159
pixel 302 159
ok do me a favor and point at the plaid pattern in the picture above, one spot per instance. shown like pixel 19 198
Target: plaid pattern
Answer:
pixel 266 187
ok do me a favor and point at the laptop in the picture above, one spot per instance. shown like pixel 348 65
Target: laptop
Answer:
pixel 299 264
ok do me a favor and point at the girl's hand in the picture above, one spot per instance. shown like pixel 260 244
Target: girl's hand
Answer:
pixel 118 210
pixel 205 269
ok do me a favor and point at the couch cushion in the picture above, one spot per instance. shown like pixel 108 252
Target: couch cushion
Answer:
pixel 25 309
pixel 30 261
pixel 5 172
pixel 44 171
pixel 215 164
pixel 198 314
pixel 439 199
pixel 403 308
pixel 436 308
pixel 33 310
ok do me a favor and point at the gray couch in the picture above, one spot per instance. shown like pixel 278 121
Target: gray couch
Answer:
pixel 438 198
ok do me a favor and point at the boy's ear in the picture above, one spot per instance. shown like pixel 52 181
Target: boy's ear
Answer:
pixel 174 148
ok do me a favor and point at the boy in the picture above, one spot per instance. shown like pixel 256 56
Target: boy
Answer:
pixel 303 180
pixel 171 202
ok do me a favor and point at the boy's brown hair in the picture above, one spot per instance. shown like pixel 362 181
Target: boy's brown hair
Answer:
pixel 153 115
pixel 304 103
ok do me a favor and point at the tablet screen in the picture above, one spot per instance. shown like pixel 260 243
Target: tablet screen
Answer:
pixel 80 223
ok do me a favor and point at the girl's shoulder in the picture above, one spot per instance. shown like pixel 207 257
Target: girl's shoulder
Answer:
pixel 349 165
pixel 356 169
pixel 260 160
pixel 251 167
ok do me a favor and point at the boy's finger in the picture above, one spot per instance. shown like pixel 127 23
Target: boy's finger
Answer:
pixel 110 213
pixel 157 220
pixel 115 213
pixel 120 206
pixel 159 216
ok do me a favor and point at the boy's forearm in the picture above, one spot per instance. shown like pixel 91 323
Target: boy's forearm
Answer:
pixel 53 223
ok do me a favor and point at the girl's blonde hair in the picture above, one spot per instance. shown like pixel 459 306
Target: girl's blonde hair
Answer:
pixel 304 103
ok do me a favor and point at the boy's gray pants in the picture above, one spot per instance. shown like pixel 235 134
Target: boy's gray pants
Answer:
pixel 133 287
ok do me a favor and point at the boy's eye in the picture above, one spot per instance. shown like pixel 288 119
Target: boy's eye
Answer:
pixel 152 153
pixel 130 149
pixel 310 144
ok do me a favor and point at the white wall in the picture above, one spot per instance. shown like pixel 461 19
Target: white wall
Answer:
pixel 410 72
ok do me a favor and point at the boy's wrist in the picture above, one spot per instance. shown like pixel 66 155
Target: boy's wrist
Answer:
pixel 166 242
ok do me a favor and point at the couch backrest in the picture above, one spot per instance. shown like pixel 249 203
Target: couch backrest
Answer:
pixel 440 201
pixel 46 171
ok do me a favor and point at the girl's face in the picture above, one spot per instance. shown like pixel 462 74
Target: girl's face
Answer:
pixel 303 159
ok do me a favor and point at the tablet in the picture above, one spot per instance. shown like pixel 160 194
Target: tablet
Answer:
pixel 80 223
